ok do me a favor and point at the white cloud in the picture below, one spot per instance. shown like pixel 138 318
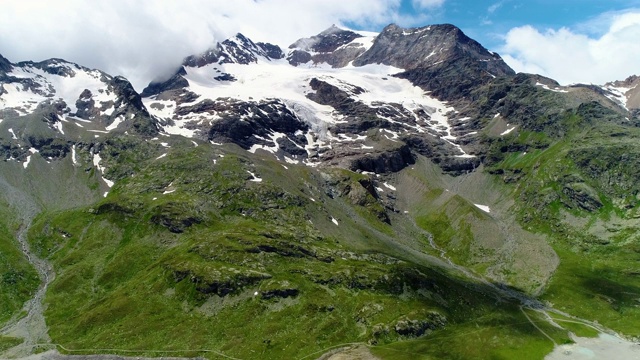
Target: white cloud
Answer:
pixel 425 4
pixel 570 56
pixel 141 39
pixel 494 7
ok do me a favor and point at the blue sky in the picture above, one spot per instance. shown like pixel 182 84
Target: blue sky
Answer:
pixel 489 21
pixel 587 41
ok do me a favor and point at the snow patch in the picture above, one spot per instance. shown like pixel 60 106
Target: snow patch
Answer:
pixel 58 126
pixel 74 158
pixel 415 31
pixel 333 220
pixel 291 161
pixel 507 131
pixel 618 95
pixel 389 186
pixel 96 162
pixel 169 189
pixel 484 208
pixel 179 128
pixel 115 123
pixel 66 88
pixel 272 149
pixel 558 90
pixel 20 98
pixel 108 112
pixel 26 163
pixel 255 178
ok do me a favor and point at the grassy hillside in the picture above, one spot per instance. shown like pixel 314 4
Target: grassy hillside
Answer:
pixel 210 247
pixel 190 251
pixel 582 192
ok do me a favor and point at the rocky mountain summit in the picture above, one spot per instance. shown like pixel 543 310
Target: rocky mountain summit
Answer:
pixel 626 92
pixel 436 55
pixel 334 46
pixel 397 188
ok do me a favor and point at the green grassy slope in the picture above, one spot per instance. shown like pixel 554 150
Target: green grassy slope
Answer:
pixel 187 252
pixel 581 191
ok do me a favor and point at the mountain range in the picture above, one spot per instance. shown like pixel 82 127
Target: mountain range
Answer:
pixel 382 195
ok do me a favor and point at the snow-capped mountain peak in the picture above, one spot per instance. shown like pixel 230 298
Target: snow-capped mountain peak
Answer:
pixel 67 96
pixel 334 46
pixel 28 83
pixel 428 46
pixel 236 50
pixel 625 92
pixel 334 114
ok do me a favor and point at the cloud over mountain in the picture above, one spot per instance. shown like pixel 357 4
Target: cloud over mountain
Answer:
pixel 582 55
pixel 141 38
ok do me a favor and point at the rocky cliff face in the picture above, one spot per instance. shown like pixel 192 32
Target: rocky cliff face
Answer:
pixel 5 66
pixel 426 46
pixel 436 55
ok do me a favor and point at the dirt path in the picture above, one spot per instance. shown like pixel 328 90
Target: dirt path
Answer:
pixel 537 327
